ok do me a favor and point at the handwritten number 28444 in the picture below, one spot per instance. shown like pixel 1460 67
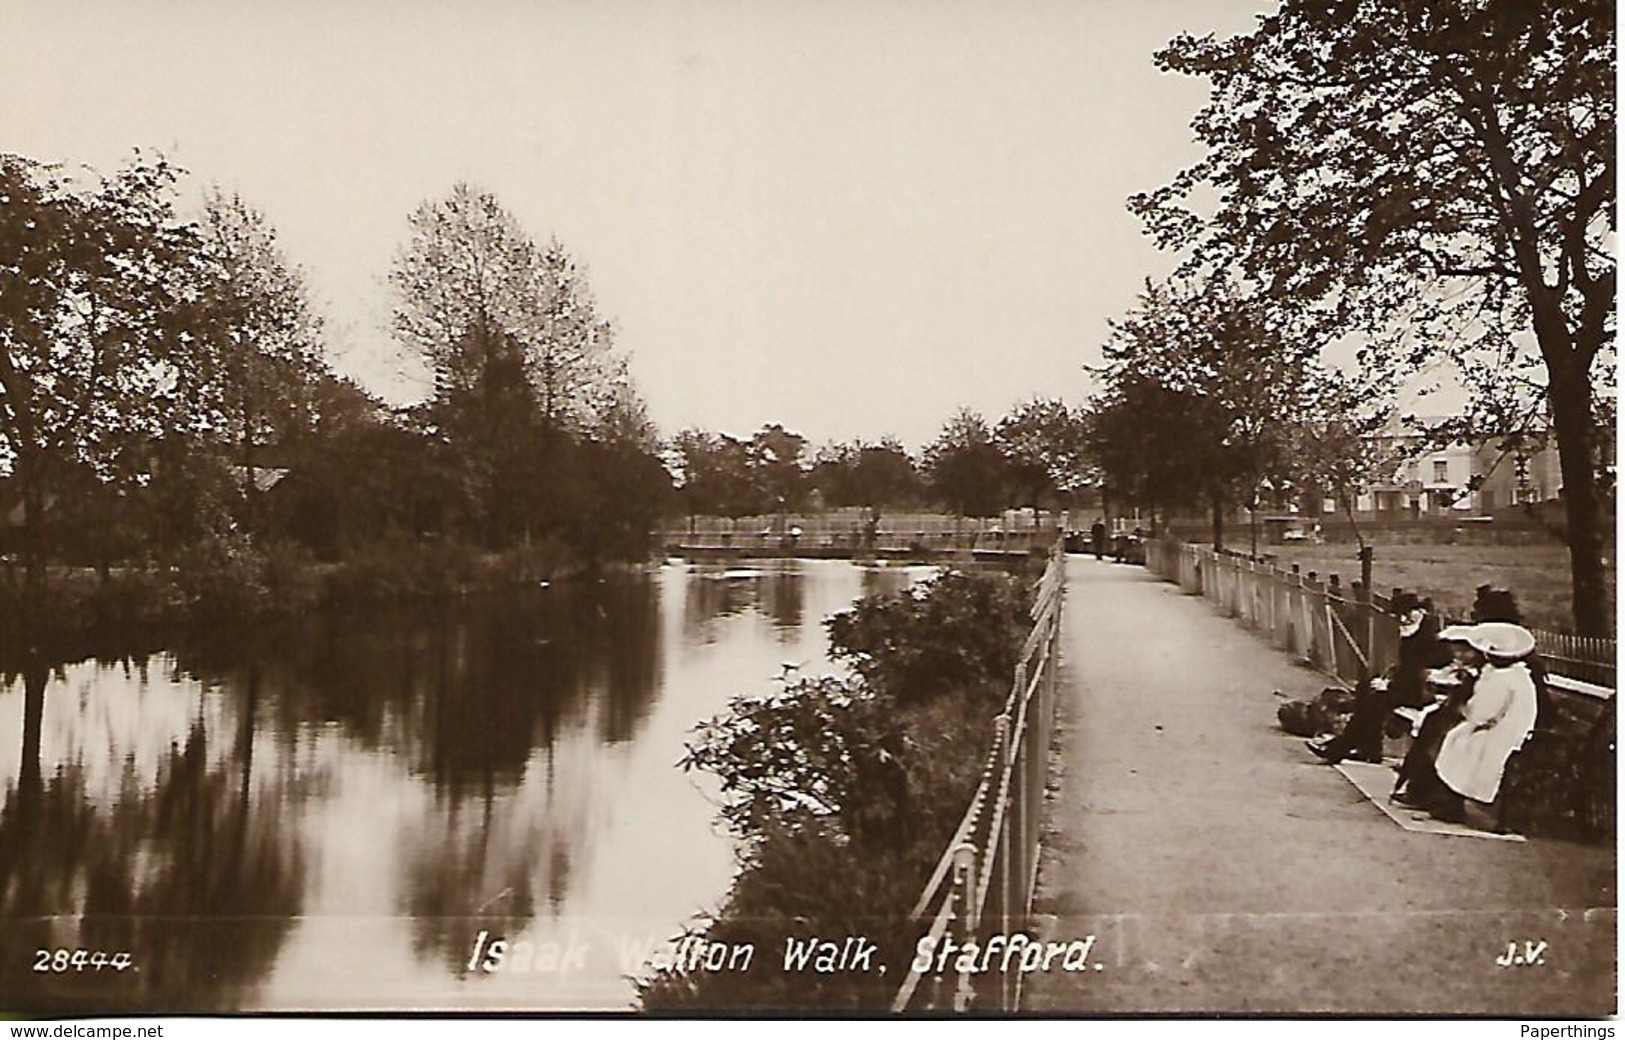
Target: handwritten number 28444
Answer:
pixel 63 960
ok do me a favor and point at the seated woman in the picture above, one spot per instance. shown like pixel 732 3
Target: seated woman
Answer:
pixel 1493 604
pixel 1417 784
pixel 1418 651
pixel 1496 720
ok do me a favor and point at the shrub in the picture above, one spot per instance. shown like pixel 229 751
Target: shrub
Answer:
pixel 959 631
pixel 844 791
pixel 221 576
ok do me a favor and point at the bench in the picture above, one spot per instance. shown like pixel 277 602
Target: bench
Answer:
pixel 1555 683
pixel 1579 686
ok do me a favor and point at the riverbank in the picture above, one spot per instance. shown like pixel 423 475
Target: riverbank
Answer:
pixel 82 612
pixel 841 792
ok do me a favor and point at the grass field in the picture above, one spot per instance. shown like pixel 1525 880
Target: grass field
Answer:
pixel 1539 575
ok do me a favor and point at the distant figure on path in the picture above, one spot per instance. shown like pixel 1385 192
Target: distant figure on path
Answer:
pixel 1097 535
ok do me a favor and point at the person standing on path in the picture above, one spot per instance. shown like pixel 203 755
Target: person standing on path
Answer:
pixel 1097 535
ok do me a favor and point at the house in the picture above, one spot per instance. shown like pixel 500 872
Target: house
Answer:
pixel 1418 477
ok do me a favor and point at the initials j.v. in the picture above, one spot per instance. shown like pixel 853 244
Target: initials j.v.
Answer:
pixel 1532 953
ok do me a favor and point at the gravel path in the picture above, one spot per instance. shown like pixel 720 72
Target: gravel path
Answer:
pixel 1222 868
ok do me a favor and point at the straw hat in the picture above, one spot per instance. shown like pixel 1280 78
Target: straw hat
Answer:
pixel 1502 640
pixel 1457 634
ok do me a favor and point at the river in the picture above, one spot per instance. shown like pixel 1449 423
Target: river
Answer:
pixel 334 813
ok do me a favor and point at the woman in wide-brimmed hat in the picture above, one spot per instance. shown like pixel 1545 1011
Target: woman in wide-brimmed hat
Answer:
pixel 1496 719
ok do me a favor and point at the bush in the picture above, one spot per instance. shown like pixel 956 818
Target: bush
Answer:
pixel 288 573
pixel 222 576
pixel 959 631
pixel 844 791
pixel 401 569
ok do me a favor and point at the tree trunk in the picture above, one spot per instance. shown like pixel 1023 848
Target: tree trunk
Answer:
pixel 30 788
pixel 1572 416
pixel 33 498
pixel 250 488
pixel 1218 524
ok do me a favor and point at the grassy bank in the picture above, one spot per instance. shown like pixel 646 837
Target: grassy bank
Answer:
pixel 842 793
pixel 1538 574
pixel 82 612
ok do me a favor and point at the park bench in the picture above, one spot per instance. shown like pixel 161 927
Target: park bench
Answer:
pixel 1579 687
pixel 1582 734
pixel 1555 683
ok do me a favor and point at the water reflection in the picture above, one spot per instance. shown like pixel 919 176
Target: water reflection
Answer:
pixel 328 814
pixel 160 856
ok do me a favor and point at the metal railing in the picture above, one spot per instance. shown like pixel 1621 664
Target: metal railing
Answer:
pixel 849 529
pixel 983 884
pixel 1345 631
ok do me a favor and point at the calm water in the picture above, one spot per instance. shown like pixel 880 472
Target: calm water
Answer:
pixel 328 814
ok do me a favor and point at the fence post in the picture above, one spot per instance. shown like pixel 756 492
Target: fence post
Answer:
pixel 1314 598
pixel 1362 599
pixel 964 879
pixel 1334 592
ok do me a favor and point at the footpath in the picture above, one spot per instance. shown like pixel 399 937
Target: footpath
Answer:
pixel 1224 869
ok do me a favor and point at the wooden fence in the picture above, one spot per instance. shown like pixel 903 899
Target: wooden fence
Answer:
pixel 1344 630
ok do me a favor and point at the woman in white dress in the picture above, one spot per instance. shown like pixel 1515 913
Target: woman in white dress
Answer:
pixel 1496 720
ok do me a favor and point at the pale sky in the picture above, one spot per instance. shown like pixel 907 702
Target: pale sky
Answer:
pixel 847 217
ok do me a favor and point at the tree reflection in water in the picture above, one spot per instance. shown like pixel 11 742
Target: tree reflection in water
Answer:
pixel 777 588
pixel 193 874
pixel 231 813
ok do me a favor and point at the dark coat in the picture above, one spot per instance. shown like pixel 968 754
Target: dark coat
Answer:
pixel 1419 653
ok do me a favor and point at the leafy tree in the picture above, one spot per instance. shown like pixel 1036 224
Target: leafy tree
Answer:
pixel 1434 178
pixel 1044 441
pixel 879 474
pixel 1240 385
pixel 715 474
pixel 474 291
pixel 884 475
pixel 100 345
pixel 268 351
pixel 776 464
pixel 578 377
pixel 523 362
pixel 1332 447
pixel 723 475
pixel 966 470
pixel 467 286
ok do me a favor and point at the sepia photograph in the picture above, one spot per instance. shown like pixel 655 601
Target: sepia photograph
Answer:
pixel 886 509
